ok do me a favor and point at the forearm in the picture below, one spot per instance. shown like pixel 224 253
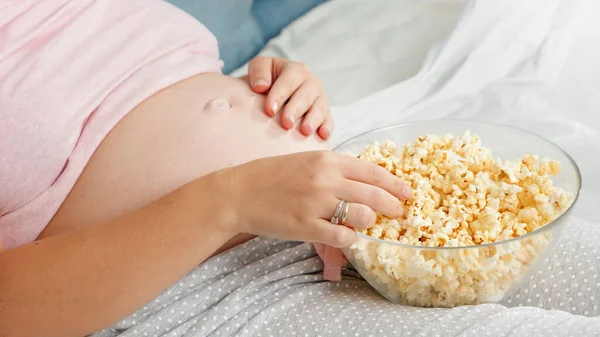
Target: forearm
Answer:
pixel 80 282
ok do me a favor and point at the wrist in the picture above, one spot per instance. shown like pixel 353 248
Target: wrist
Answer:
pixel 212 205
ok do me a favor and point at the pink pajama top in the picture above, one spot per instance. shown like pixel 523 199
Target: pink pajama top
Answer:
pixel 69 71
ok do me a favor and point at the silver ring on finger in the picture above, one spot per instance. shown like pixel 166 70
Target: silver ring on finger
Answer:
pixel 344 214
pixel 335 219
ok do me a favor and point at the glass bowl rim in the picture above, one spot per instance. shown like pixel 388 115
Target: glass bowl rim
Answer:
pixel 537 231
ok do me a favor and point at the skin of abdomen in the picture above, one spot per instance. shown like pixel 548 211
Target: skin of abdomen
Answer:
pixel 197 126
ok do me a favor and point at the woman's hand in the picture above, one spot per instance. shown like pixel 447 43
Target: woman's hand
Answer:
pixel 294 196
pixel 293 87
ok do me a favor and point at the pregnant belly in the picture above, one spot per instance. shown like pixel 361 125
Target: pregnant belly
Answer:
pixel 190 129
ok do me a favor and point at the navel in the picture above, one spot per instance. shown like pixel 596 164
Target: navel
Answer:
pixel 217 104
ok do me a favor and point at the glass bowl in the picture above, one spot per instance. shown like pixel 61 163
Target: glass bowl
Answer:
pixel 454 276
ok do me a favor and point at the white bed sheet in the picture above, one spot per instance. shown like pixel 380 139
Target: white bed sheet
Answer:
pixel 533 64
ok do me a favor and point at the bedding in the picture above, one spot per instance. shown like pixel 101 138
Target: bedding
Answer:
pixel 531 64
pixel 268 287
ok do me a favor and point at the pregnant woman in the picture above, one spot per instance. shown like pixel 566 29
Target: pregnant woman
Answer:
pixel 113 115
pixel 130 184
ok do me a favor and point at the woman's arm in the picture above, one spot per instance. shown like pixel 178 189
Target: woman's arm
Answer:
pixel 77 283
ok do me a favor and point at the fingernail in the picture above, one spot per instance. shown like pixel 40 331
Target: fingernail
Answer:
pixel 308 128
pixel 274 107
pixel 292 121
pixel 406 192
pixel 260 83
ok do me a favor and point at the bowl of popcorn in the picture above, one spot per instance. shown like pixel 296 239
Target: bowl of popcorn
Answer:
pixel 489 203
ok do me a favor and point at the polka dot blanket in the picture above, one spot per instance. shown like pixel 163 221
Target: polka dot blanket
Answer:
pixel 268 287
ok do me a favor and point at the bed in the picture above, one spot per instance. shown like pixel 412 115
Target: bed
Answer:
pixel 531 64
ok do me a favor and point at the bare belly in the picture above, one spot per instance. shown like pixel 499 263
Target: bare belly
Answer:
pixel 190 129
